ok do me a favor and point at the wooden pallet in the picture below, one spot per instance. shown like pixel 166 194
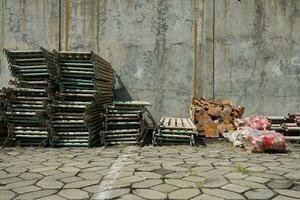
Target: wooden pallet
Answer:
pixel 175 131
pixel 177 123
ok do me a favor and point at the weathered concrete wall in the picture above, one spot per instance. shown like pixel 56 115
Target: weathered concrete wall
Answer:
pixel 257 54
pixel 149 43
pixel 166 51
pixel 27 24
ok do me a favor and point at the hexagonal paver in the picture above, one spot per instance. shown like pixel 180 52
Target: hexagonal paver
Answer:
pixel 81 184
pixel 147 183
pixel 214 182
pixel 69 169
pixel 18 184
pixel 47 183
pixel 257 179
pixel 222 193
pixel 166 188
pixel 73 194
pixel 111 194
pixel 148 175
pixel 259 194
pixel 289 193
pixel 52 197
pixel 184 193
pixel 280 184
pixel 149 194
pixel 206 197
pixel 131 179
pixel 180 183
pixel 162 171
pixel 35 194
pixel 236 175
pixel 30 176
pixel 26 189
pixel 130 197
pixel 235 188
pixel 279 197
pixel 6 194
pixel 249 184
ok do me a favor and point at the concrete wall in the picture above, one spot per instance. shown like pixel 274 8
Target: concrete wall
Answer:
pixel 257 54
pixel 166 51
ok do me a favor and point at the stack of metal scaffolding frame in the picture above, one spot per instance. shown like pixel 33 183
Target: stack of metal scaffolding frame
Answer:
pixel 124 123
pixel 86 83
pixel 32 89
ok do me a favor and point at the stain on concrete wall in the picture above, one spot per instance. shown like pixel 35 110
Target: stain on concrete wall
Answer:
pixel 27 24
pixel 257 55
pixel 149 43
pixel 248 51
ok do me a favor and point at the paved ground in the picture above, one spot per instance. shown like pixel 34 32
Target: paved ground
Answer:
pixel 179 172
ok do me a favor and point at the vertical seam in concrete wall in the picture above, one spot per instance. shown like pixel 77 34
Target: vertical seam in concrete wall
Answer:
pixel 67 21
pixel 59 25
pixel 196 56
pixel 213 81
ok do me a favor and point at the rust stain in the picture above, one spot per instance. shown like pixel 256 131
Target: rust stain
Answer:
pixel 92 24
pixel 196 49
pixel 67 22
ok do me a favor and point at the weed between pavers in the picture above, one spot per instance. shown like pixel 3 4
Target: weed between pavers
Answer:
pixel 242 169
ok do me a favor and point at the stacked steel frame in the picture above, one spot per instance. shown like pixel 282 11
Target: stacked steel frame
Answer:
pixel 124 123
pixel 32 89
pixel 86 83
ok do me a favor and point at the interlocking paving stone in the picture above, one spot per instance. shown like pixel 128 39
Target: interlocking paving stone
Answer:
pixel 52 197
pixel 89 175
pixel 149 194
pixel 190 168
pixel 249 184
pixel 147 175
pixel 257 179
pixel 206 197
pixel 162 171
pixel 184 193
pixel 130 197
pixel 30 176
pixel 180 183
pixel 267 175
pixel 147 183
pixel 235 188
pixel 296 187
pixel 236 175
pixel 280 184
pixel 81 184
pixel 73 194
pixel 214 182
pixel 178 174
pixel 166 188
pixel 110 194
pixel 259 194
pixel 289 193
pixel 280 197
pixel 131 179
pixel 295 175
pixel 6 194
pixel 222 193
pixel 69 169
pixel 26 189
pixel 71 179
pixel 47 183
pixel 35 194
pixel 194 179
pixel 17 184
pixel 9 180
